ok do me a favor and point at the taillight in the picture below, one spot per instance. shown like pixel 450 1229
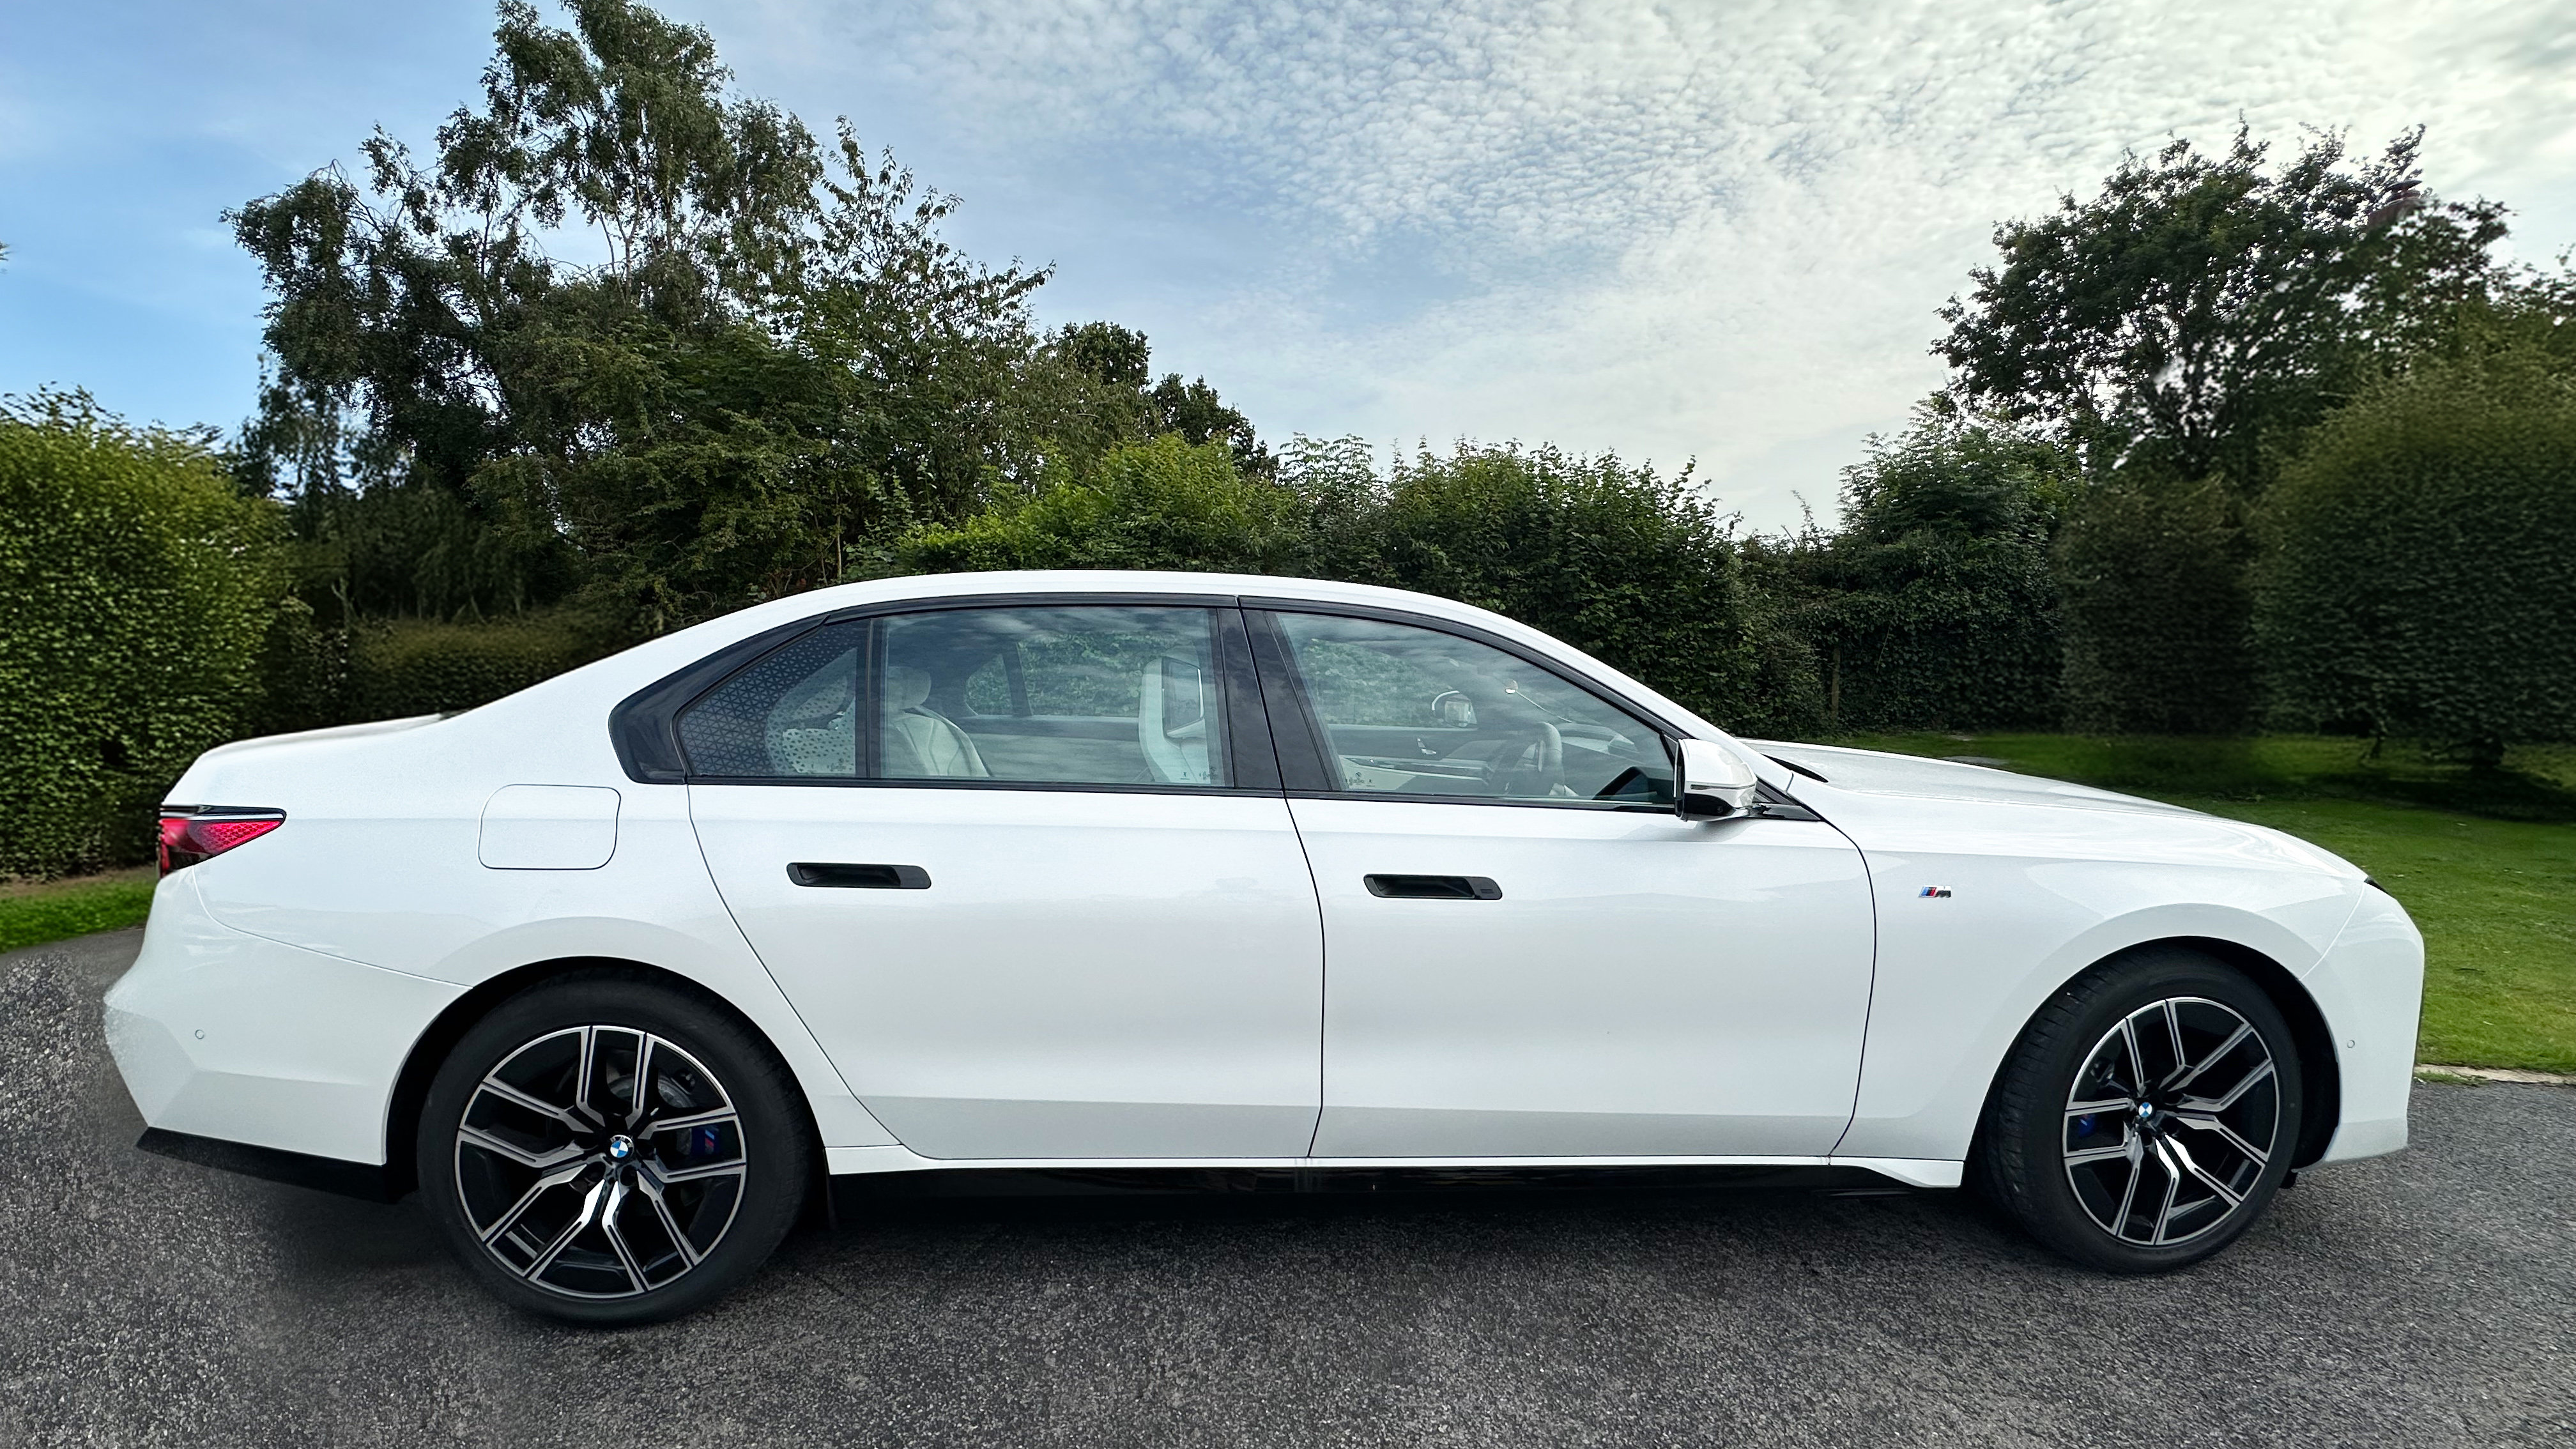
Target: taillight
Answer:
pixel 191 833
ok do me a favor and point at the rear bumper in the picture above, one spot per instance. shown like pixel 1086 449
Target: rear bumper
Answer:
pixel 245 1040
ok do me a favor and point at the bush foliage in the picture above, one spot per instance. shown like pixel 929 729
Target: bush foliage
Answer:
pixel 1934 606
pixel 2157 607
pixel 1162 504
pixel 1639 569
pixel 138 588
pixel 2421 574
pixel 411 666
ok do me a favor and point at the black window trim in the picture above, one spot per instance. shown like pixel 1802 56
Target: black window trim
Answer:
pixel 644 727
pixel 1302 759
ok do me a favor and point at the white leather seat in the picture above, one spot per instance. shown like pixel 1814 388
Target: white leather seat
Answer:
pixel 829 749
pixel 1172 688
pixel 919 742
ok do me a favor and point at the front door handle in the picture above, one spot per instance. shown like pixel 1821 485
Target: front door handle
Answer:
pixel 1434 887
pixel 859 877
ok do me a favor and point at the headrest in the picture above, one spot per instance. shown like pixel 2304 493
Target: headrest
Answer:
pixel 906 687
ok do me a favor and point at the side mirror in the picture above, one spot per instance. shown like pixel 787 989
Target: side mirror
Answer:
pixel 1713 784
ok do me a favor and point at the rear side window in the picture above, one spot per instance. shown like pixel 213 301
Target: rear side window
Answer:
pixel 1076 695
pixel 792 712
pixel 1096 695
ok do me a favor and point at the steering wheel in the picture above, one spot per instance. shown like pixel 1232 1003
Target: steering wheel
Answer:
pixel 1550 747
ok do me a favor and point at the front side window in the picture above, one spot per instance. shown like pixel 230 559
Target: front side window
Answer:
pixel 1413 711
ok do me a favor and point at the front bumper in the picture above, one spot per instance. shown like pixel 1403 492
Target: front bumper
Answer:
pixel 2370 987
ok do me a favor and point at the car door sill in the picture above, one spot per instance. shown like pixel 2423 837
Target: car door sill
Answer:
pixel 852 1161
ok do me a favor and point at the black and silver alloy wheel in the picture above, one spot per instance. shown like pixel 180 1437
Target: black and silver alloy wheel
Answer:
pixel 2172 1120
pixel 612 1149
pixel 600 1162
pixel 2148 1113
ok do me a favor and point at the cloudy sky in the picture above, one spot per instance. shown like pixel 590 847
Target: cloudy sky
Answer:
pixel 1703 230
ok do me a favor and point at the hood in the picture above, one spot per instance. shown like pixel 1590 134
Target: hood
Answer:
pixel 1874 772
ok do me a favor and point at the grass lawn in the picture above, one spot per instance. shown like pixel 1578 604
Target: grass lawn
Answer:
pixel 2494 890
pixel 35 912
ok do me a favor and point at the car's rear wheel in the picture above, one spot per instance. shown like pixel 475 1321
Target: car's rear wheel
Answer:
pixel 2147 1115
pixel 607 1150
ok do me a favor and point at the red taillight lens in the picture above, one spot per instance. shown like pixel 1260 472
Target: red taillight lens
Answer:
pixel 193 835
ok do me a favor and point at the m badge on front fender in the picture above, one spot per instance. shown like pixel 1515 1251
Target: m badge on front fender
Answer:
pixel 1933 893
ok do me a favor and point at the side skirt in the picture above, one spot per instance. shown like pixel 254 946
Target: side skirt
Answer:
pixel 864 1161
pixel 855 1193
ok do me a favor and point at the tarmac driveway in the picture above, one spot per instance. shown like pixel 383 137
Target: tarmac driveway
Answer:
pixel 2424 1299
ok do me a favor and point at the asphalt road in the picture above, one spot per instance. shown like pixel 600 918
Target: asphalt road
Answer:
pixel 2427 1299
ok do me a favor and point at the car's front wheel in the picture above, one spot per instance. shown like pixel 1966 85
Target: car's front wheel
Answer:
pixel 604 1149
pixel 2147 1115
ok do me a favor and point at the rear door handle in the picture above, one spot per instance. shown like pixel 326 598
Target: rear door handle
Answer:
pixel 1434 887
pixel 859 877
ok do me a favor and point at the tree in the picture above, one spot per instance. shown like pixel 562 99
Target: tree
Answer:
pixel 773 359
pixel 2203 308
pixel 1107 372
pixel 2419 576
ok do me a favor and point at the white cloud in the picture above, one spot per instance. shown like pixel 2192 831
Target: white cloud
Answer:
pixel 1675 229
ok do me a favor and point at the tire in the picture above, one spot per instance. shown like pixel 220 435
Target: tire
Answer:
pixel 2154 1180
pixel 566 1197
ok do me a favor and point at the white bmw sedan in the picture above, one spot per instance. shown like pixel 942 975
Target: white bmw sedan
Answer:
pixel 1179 870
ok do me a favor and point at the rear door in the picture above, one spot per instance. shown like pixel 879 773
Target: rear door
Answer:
pixel 1530 954
pixel 1027 873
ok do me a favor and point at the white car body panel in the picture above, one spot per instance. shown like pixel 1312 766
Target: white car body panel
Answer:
pixel 1645 985
pixel 228 1035
pixel 1090 974
pixel 2038 891
pixel 315 957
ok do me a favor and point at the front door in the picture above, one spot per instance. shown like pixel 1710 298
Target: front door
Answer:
pixel 1530 955
pixel 1027 874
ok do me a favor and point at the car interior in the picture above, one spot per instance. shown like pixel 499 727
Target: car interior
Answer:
pixel 1096 695
pixel 1116 695
pixel 1415 711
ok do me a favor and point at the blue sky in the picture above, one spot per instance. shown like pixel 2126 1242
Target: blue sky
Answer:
pixel 1711 231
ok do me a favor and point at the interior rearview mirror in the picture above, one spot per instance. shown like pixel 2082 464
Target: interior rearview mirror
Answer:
pixel 1713 783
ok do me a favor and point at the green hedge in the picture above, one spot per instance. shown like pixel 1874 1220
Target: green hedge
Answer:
pixel 411 667
pixel 2157 602
pixel 1635 568
pixel 137 589
pixel 2421 578
pixel 1934 606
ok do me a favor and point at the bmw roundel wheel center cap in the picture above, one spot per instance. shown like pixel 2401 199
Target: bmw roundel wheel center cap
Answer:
pixel 620 1147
